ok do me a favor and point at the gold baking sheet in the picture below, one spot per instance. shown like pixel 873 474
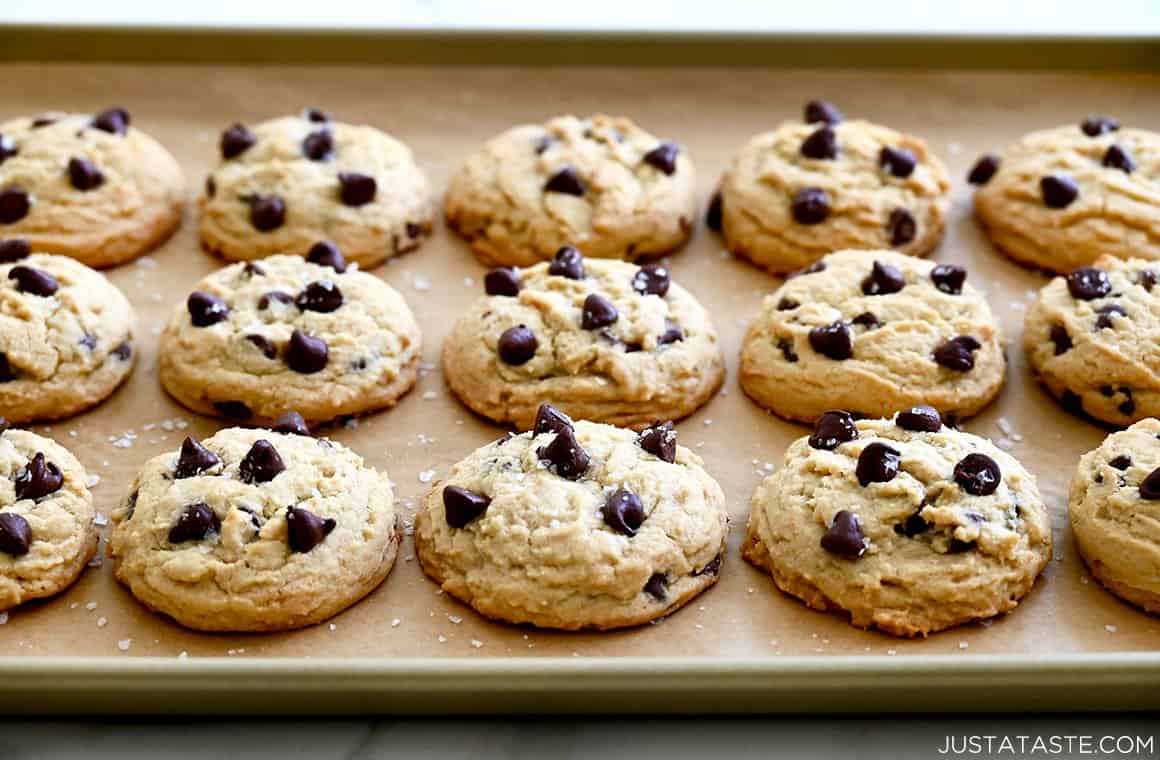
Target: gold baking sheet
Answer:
pixel 445 113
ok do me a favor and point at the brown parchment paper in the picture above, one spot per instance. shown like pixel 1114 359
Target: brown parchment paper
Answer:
pixel 445 113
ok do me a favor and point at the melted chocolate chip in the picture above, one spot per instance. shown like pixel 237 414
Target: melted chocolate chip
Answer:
pixel 565 181
pixel 261 464
pixel 977 474
pixel 38 478
pixel 115 121
pixel 1058 190
pixel 1088 283
pixel 14 249
pixel 267 213
pixel 652 280
pixel 623 512
pixel 1071 402
pixel 291 422
pixel 306 530
pixel 912 525
pixel 194 459
pixel 811 205
pixel 832 429
pixel 1121 462
pixel 822 110
pixel 883 280
pixel 901 226
pixel 958 353
pixel 14 204
pixel 15 535
pixel 983 169
pixel 1105 312
pixel 844 536
pixel 900 162
pixel 660 440
pixel 235 410
pixel 273 297
pixel 306 354
pixel 597 312
pixel 206 309
pixel 1118 157
pixel 657 587
pixel 326 254
pixel 711 568
pixel 920 419
pixel 322 296
pixel 1150 486
pixel 1094 126
pixel 878 463
pixel 318 145
pixel 504 281
pixel 84 174
pixel 949 278
pixel 236 140
pixel 263 344
pixel 356 189
pixel 568 262
pixel 35 282
pixel 822 144
pixel 833 341
pixel 517 345
pixel 1061 339
pixel 787 350
pixel 7 372
pixel 195 523
pixel 713 212
pixel 663 157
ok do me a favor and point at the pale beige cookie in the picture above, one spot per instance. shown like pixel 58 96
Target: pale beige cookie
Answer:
pixel 47 535
pixel 603 340
pixel 602 184
pixel 293 181
pixel 87 186
pixel 873 332
pixel 66 335
pixel 575 525
pixel 252 530
pixel 1060 198
pixel 256 339
pixel 1115 513
pixel 902 525
pixel 803 190
pixel 1093 338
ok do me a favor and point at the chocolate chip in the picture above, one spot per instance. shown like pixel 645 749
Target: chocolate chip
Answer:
pixel 1118 157
pixel 44 120
pixel 912 525
pixel 672 334
pixel 14 204
pixel 958 547
pixel 1127 408
pixel 878 463
pixel 318 145
pixel 983 169
pixel 15 535
pixel 316 115
pixel 549 419
pixel 292 423
pixel 253 269
pixel 267 213
pixel 461 506
pixel 1104 320
pixel 844 536
pixel 517 345
pixel 1061 339
pixel 832 429
pixel 867 320
pixel 35 282
pixel 8 148
pixel 900 162
pixel 306 354
pixel 920 419
pixel 811 205
pixel 84 175
pixel 237 139
pixel 206 309
pixel 326 254
pixel 660 440
pixel 1058 190
pixel 883 280
pixel 1094 126
pixel 114 121
pixel 123 350
pixel 322 296
pixel 657 586
pixel 306 530
pixel 1121 462
pixel 565 181
pixel 38 478
pixel 264 344
pixel 822 144
pixel 787 350
pixel 565 454
pixel 568 262
pixel 194 459
pixel 504 281
pixel 713 213
pixel 356 189
pixel 14 249
pixel 832 341
pixel 949 278
pixel 236 410
pixel 958 353
pixel 7 373
pixel 623 512
pixel 274 296
pixel 194 524
pixel 413 230
pixel 1071 402
pixel 543 143
pixel 1088 283
pixel 977 474
pixel 652 279
pixel 901 226
pixel 210 186
pixel 261 464
pixel 598 312
pixel 822 110
pixel 711 568
pixel 663 157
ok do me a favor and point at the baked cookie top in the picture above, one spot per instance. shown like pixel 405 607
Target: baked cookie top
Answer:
pixel 605 340
pixel 873 331
pixel 602 184
pixel 1093 337
pixel 87 186
pixel 256 339
pixel 1060 198
pixel 253 530
pixel 906 524
pixel 46 517
pixel 575 525
pixel 805 189
pixel 65 334
pixel 290 182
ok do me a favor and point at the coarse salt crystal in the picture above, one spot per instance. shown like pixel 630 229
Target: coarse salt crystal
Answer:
pixel 426 476
pixel 124 644
pixel 1111 628
pixel 396 623
pixel 102 622
pixel 476 643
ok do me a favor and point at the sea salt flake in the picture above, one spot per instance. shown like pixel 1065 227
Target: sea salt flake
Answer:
pixel 102 622
pixel 124 644
pixel 1111 628
pixel 100 521
pixel 476 643
pixel 426 476
pixel 420 283
pixel 442 639
pixel 396 623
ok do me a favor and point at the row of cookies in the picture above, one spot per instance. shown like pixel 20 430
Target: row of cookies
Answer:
pixel 98 189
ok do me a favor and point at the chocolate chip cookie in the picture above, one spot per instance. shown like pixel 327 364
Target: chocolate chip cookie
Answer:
pixel 255 530
pixel 601 184
pixel 89 186
pixel 1060 198
pixel 47 535
pixel 873 332
pixel 66 335
pixel 1115 508
pixel 288 183
pixel 604 340
pixel 575 525
pixel 256 339
pixel 1093 339
pixel 901 524
pixel 807 188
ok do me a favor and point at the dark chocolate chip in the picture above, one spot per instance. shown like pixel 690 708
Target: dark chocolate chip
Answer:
pixel 1061 339
pixel 844 536
pixel 306 354
pixel 657 586
pixel 517 345
pixel 206 309
pixel 195 523
pixel 883 280
pixel 787 304
pixel 822 144
pixel 274 296
pixel 318 145
pixel 920 419
pixel 713 213
pixel 711 568
pixel 811 205
pixel 306 530
pixel 413 230
pixel 565 454
pixel 8 148
pixel 983 169
pixel 316 115
pixel 977 474
pixel 623 512
pixel 322 296
pixel 565 181
pixel 957 546
pixel 123 350
pixel 1094 126
pixel 900 162
pixel 292 423
pixel 253 269
pixel 261 464
pixel 461 506
pixel 912 525
pixel 194 459
pixel 235 410
pixel 237 139
pixel 1118 157
pixel 822 110
pixel 663 157
pixel 543 142
pixel 114 121
pixel 597 312
pixel 44 120
pixel 1127 408
pixel 660 440
pixel 817 266
pixel 1150 486
pixel 1088 283
pixel 503 281
pixel 7 372
pixel 14 204
pixel 878 463
pixel 33 281
pixel 210 186
pixel 549 419
pixel 264 344
pixel 866 320
pixel 267 212
pixel 568 262
pixel 38 478
pixel 14 249
pixel 672 334
pixel 787 350
pixel 1058 190
pixel 326 254
pixel 958 353
pixel 1071 401
pixel 949 278
pixel 1104 320
pixel 356 189
pixel 833 341
pixel 1147 277
pixel 901 226
pixel 832 429
pixel 84 174
pixel 1121 462
pixel 15 535
pixel 652 279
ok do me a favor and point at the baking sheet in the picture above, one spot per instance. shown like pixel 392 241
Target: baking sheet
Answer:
pixel 445 113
